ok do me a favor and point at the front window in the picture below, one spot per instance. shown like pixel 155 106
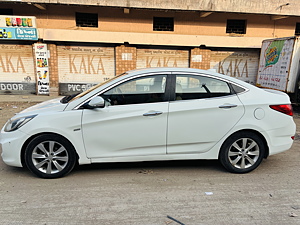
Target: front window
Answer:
pixel 140 90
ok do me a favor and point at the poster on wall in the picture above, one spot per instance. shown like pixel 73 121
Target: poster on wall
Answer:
pixel 274 63
pixel 18 28
pixel 42 69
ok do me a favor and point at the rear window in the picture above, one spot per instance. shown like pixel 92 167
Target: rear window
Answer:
pixel 237 89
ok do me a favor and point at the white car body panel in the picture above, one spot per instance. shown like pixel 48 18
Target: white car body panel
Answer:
pixel 195 126
pixel 124 131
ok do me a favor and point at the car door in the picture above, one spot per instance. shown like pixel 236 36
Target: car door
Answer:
pixel 133 123
pixel 204 110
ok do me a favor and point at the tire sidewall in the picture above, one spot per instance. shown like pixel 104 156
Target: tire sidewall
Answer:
pixel 50 137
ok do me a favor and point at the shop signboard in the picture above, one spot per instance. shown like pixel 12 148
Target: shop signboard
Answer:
pixel 18 28
pixel 274 65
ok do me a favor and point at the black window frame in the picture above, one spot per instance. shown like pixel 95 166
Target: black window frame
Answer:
pixel 163 24
pixel 235 26
pixel 86 20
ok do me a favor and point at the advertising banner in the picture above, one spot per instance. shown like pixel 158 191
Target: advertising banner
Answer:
pixel 18 28
pixel 274 64
pixel 42 69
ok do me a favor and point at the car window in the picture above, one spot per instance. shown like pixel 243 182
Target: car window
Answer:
pixel 238 89
pixel 146 89
pixel 196 87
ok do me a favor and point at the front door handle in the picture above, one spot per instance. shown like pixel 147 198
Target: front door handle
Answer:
pixel 154 113
pixel 227 106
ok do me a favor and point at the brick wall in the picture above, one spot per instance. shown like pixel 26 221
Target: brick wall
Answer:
pixel 125 59
pixel 200 58
pixel 53 70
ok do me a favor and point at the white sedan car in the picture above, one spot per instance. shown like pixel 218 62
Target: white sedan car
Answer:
pixel 152 114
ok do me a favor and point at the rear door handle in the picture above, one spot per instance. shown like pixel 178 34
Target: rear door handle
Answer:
pixel 227 106
pixel 155 113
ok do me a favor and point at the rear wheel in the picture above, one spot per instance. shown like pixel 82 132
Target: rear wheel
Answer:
pixel 242 152
pixel 50 156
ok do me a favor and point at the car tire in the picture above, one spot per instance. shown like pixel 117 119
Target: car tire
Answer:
pixel 242 152
pixel 50 156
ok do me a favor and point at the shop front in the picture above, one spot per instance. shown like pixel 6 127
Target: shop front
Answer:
pixel 17 64
pixel 81 67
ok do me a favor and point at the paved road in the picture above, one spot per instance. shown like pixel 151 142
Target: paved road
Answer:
pixel 192 192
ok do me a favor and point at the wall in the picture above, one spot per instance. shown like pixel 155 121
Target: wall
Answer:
pixel 140 21
pixel 81 56
pixel 238 6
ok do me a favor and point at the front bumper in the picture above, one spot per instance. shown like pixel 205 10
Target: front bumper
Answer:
pixel 11 145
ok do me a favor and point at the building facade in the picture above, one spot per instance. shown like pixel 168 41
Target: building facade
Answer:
pixel 69 45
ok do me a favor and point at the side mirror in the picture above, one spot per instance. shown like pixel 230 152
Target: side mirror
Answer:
pixel 97 102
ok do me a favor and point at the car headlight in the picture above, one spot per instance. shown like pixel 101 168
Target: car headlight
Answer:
pixel 15 124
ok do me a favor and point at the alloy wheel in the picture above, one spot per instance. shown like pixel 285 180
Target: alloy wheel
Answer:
pixel 50 157
pixel 243 153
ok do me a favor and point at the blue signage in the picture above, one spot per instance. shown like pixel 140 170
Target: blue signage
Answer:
pixel 18 33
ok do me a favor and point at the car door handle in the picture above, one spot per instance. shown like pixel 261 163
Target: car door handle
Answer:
pixel 155 113
pixel 227 106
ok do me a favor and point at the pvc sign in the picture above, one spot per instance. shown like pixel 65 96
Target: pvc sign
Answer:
pixel 18 28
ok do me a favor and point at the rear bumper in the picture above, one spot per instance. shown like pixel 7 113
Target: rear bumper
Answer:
pixel 280 140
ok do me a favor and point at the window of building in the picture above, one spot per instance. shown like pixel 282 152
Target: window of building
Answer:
pixel 163 24
pixel 236 26
pixel 6 11
pixel 297 29
pixel 86 19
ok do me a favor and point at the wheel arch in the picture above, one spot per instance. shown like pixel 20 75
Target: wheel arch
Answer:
pixel 22 155
pixel 254 132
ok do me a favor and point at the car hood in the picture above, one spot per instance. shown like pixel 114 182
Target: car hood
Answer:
pixel 47 106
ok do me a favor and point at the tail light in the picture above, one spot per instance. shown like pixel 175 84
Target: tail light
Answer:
pixel 286 109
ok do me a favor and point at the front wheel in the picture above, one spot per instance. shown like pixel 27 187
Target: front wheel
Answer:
pixel 242 152
pixel 50 156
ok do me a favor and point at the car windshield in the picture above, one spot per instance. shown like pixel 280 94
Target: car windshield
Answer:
pixel 76 96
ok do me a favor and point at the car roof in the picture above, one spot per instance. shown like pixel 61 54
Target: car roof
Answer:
pixel 210 72
pixel 168 69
